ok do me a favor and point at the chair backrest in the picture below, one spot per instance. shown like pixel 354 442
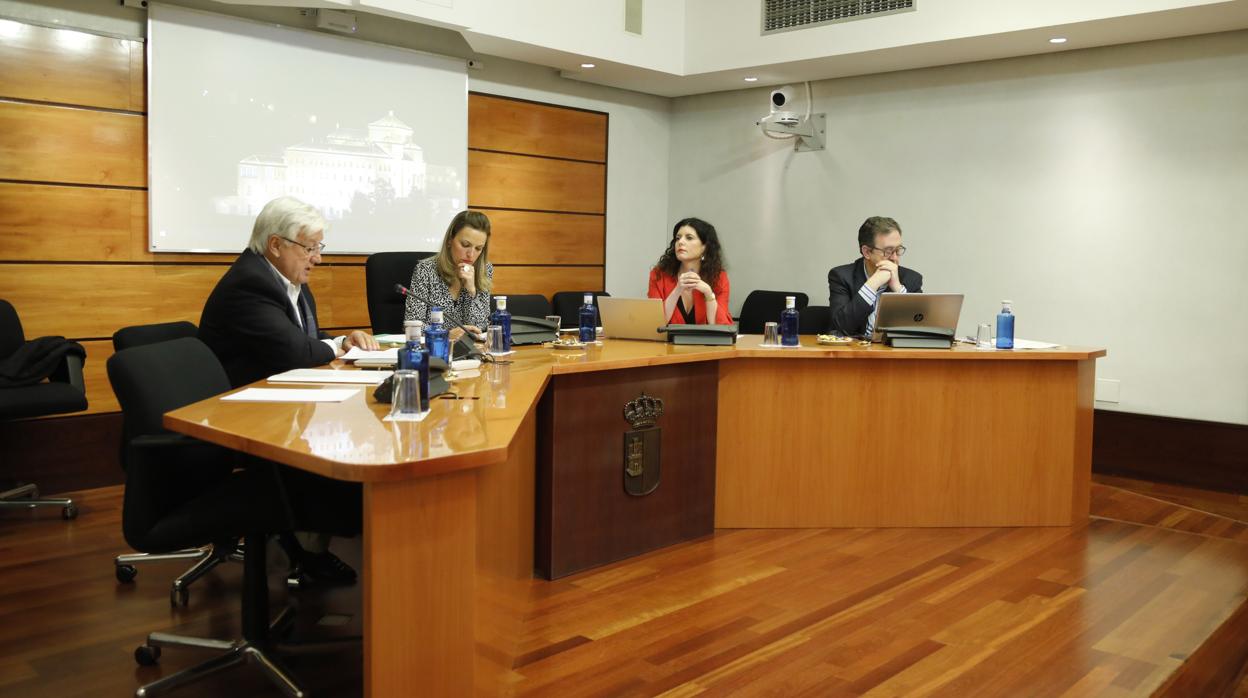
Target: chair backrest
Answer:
pixel 11 335
pixel 139 335
pixel 177 495
pixel 152 379
pixel 567 305
pixel 814 319
pixel 765 306
pixel 381 272
pixel 528 304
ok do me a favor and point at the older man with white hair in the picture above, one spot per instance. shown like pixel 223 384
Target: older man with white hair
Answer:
pixel 261 320
pixel 261 317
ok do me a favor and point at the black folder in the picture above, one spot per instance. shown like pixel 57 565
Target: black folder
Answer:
pixel 918 337
pixel 532 330
pixel 711 335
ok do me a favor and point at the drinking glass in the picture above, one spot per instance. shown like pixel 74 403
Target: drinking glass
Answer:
pixel 494 339
pixel 983 337
pixel 771 334
pixel 405 396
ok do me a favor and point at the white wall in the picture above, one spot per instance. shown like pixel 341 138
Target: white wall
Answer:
pixel 1104 191
pixel 638 134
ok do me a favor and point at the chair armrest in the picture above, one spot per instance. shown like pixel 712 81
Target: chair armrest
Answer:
pixel 70 371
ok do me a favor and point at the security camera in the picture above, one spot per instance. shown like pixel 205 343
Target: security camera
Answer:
pixel 781 99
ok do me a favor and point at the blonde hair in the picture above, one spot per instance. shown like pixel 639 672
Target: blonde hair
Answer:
pixel 446 262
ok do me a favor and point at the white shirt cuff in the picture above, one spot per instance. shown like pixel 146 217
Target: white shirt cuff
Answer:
pixel 335 344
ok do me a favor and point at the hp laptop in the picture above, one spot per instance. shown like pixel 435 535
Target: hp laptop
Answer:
pixel 918 310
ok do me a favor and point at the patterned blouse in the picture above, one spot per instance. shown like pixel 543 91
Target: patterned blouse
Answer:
pixel 466 310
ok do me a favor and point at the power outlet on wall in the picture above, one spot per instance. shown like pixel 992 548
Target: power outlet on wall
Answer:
pixel 1107 389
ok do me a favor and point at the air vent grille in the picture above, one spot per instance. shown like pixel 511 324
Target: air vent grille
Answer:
pixel 786 15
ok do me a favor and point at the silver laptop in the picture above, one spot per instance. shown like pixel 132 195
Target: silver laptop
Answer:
pixel 918 310
pixel 632 318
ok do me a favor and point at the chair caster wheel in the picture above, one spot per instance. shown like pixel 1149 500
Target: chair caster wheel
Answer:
pixel 126 573
pixel 147 655
pixel 69 512
pixel 179 596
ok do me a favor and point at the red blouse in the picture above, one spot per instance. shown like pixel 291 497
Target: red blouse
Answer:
pixel 661 285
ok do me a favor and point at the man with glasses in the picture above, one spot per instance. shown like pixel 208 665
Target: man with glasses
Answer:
pixel 261 317
pixel 261 320
pixel 854 289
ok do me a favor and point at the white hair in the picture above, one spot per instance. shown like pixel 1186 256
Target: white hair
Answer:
pixel 284 217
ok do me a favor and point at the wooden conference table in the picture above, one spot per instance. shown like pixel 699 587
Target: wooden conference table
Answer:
pixel 808 437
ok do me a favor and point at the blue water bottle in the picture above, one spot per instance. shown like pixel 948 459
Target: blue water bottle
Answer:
pixel 788 322
pixel 438 336
pixel 502 318
pixel 414 357
pixel 588 319
pixel 1005 326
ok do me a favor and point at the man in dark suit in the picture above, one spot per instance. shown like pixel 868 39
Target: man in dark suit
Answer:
pixel 854 289
pixel 261 320
pixel 261 317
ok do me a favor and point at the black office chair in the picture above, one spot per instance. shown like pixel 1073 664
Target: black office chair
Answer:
pixel 567 305
pixel 205 558
pixel 529 305
pixel 139 335
pixel 765 306
pixel 814 319
pixel 181 492
pixel 22 398
pixel 381 272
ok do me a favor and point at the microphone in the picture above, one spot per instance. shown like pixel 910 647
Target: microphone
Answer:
pixel 468 348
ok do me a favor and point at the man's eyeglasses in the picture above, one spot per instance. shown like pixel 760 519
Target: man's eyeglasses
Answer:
pixel 890 251
pixel 315 248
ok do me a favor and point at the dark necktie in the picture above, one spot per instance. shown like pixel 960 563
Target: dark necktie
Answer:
pixel 309 319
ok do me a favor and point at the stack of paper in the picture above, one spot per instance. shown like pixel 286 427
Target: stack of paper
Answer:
pixel 288 395
pixel 329 375
pixel 356 353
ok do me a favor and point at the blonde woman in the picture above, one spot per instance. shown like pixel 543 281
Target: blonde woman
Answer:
pixel 458 278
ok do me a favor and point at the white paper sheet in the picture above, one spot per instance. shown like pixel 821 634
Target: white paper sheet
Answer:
pixel 358 353
pixel 326 375
pixel 290 395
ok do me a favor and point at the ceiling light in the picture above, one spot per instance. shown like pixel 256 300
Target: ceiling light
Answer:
pixel 751 79
pixel 587 65
pixel 1057 40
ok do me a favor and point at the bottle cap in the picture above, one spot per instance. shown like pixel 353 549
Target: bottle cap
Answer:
pixel 790 301
pixel 413 323
pixel 501 302
pixel 435 315
pixel 589 299
pixel 1008 302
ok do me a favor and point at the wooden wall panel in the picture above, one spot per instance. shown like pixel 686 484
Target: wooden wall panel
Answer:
pixel 513 126
pixel 95 300
pixel 57 223
pixel 527 237
pixel 70 67
pixel 63 144
pixel 498 180
pixel 100 397
pixel 546 280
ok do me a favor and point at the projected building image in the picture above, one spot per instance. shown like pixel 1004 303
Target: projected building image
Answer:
pixel 348 169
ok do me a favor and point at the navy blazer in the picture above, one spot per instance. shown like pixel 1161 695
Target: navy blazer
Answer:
pixel 250 325
pixel 848 309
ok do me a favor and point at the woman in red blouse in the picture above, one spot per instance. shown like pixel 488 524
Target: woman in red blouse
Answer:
pixel 690 276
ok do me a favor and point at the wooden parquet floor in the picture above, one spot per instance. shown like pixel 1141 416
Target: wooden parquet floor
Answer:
pixel 1149 596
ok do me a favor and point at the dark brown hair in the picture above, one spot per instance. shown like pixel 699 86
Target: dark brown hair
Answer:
pixel 712 254
pixel 875 225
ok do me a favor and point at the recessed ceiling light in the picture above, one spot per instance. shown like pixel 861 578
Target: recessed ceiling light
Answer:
pixel 587 65
pixel 1057 40
pixel 751 79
